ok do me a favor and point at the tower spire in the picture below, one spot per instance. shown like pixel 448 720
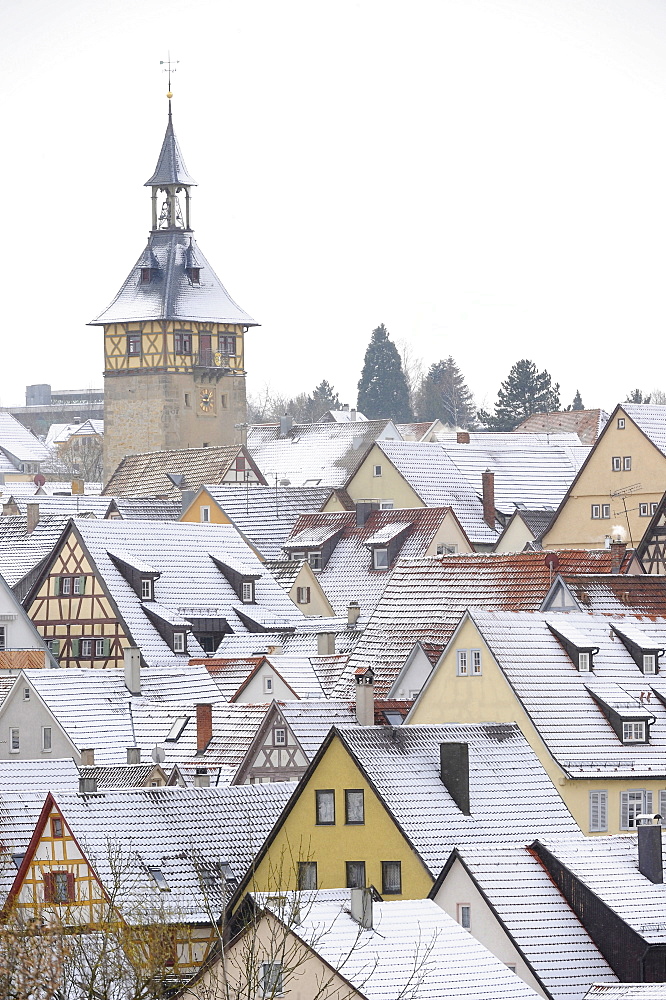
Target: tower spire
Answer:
pixel 170 176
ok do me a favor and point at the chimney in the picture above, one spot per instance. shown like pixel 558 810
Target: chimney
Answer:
pixel 649 849
pixel 365 696
pixel 325 643
pixel 133 670
pixel 353 613
pixel 201 778
pixel 78 487
pixel 204 725
pixel 462 437
pixel 617 550
pixel 454 772
pixel 361 907
pixel 32 517
pixel 274 650
pixel 286 423
pixel 133 755
pixel 186 498
pixel 488 486
pixel 364 509
pixel 352 415
pixel 87 758
pixel 87 786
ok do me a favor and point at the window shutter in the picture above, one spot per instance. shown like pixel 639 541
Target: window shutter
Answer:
pixel 647 802
pixel 598 812
pixel 603 810
pixel 75 647
pixel 82 585
pixel 106 647
pixel 71 887
pixel 49 887
pixel 624 810
pixel 55 647
pixel 662 802
pixel 56 585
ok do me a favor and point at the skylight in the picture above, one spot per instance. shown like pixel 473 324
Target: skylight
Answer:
pixel 177 728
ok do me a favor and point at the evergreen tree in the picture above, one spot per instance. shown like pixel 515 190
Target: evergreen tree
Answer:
pixel 382 388
pixel 577 402
pixel 636 396
pixel 325 398
pixel 445 395
pixel 526 391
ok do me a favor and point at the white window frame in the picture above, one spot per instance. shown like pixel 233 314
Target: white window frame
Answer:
pixel 204 515
pixel 247 592
pixel 378 557
pixel 626 463
pixel 644 510
pixel 633 801
pixel 314 559
pixel 596 511
pixel 179 642
pixel 464 915
pixel 86 648
pixel 462 662
pixel 653 508
pixel 633 732
pixel 621 423
pixel 146 589
pixel 65 585
pixel 386 504
pixel 616 463
pixel 99 647
pixel 376 471
pixel 268 684
pixel 605 511
pixel 649 663
pixel 26 694
pixel 14 739
pixel 280 737
pixel 446 549
pixel 77 585
pixel 476 664
pixel 598 811
pixel 302 595
pixel 585 662
pixel 271 979
pixel 47 738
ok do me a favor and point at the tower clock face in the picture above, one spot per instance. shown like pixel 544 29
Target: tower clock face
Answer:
pixel 207 400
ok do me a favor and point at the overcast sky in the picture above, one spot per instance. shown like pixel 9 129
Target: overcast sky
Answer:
pixel 485 177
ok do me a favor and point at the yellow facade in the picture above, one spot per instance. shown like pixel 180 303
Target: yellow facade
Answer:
pixel 390 485
pixel 157 346
pixel 301 839
pixel 203 509
pixel 489 698
pixel 623 495
pixel 67 619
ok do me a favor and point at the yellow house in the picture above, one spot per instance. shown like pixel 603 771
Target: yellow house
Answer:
pixel 585 691
pixel 384 806
pixel 620 483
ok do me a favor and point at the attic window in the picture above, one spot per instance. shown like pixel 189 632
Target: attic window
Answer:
pixel 380 559
pixel 633 732
pixel 176 730
pixel 649 663
pixel 193 273
pixel 576 645
pixel 146 589
pixel 584 662
pixel 158 878
pixel 620 423
pixel 248 592
pixel 642 648
pixel 314 558
pixel 146 275
pixel 179 642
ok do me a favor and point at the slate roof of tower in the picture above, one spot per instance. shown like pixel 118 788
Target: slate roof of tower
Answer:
pixel 171 295
pixel 563 703
pixel 414 949
pixel 538 918
pixel 425 598
pixel 267 514
pixel 349 575
pixel 145 475
pixel 321 454
pixel 190 584
pixel 170 167
pixel 608 866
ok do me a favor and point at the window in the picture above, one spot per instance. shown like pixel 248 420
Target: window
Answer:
pixel 476 661
pixel 227 345
pixel 65 585
pixel 355 874
pixel 240 464
pixel 302 595
pixel 56 826
pixel 26 694
pixel 596 511
pixel 134 344
pixel 146 275
pixel 77 585
pixel 376 470
pixel 271 979
pixel 204 514
pixel 182 342
pixel 598 812
pixel 188 399
pixel 354 806
pixel 649 663
pixel 446 550
pixel 644 509
pixel 605 510
pixel 464 914
pixel 86 647
pixel 632 804
pixel 14 740
pixel 653 508
pixel 616 463
pixel 307 874
pixel 633 732
pixel 280 737
pixel 179 642
pixel 314 558
pixel 386 505
pixel 247 592
pixel 146 589
pixel 463 662
pixel 193 273
pixel 46 739
pixel 391 878
pixel 268 685
pixel 620 423
pixel 3 644
pixel 177 728
pixel 325 801
pixel 584 663
pixel 158 878
pixel 380 559
pixel 626 463
pixel 224 400
pixel 100 647
pixel 59 887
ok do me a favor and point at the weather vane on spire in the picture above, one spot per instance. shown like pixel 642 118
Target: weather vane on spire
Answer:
pixel 169 67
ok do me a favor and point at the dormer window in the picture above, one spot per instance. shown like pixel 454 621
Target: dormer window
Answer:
pixel 179 642
pixel 193 273
pixel 649 663
pixel 146 275
pixel 584 662
pixel 314 558
pixel 633 732
pixel 576 644
pixel 380 559
pixel 147 586
pixel 641 647
pixel 248 592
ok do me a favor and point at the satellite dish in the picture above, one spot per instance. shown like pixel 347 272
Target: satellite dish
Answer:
pixel 39 479
pixel 552 562
pixel 158 754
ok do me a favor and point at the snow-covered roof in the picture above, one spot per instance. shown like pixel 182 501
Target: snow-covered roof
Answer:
pixel 413 949
pixel 652 421
pixel 147 474
pixel 17 442
pixel 39 775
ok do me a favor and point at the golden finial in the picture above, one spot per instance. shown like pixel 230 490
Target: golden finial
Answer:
pixel 169 66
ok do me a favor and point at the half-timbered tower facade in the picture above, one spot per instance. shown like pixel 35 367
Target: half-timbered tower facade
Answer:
pixel 174 374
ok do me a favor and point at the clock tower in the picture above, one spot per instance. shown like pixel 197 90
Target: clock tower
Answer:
pixel 174 373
